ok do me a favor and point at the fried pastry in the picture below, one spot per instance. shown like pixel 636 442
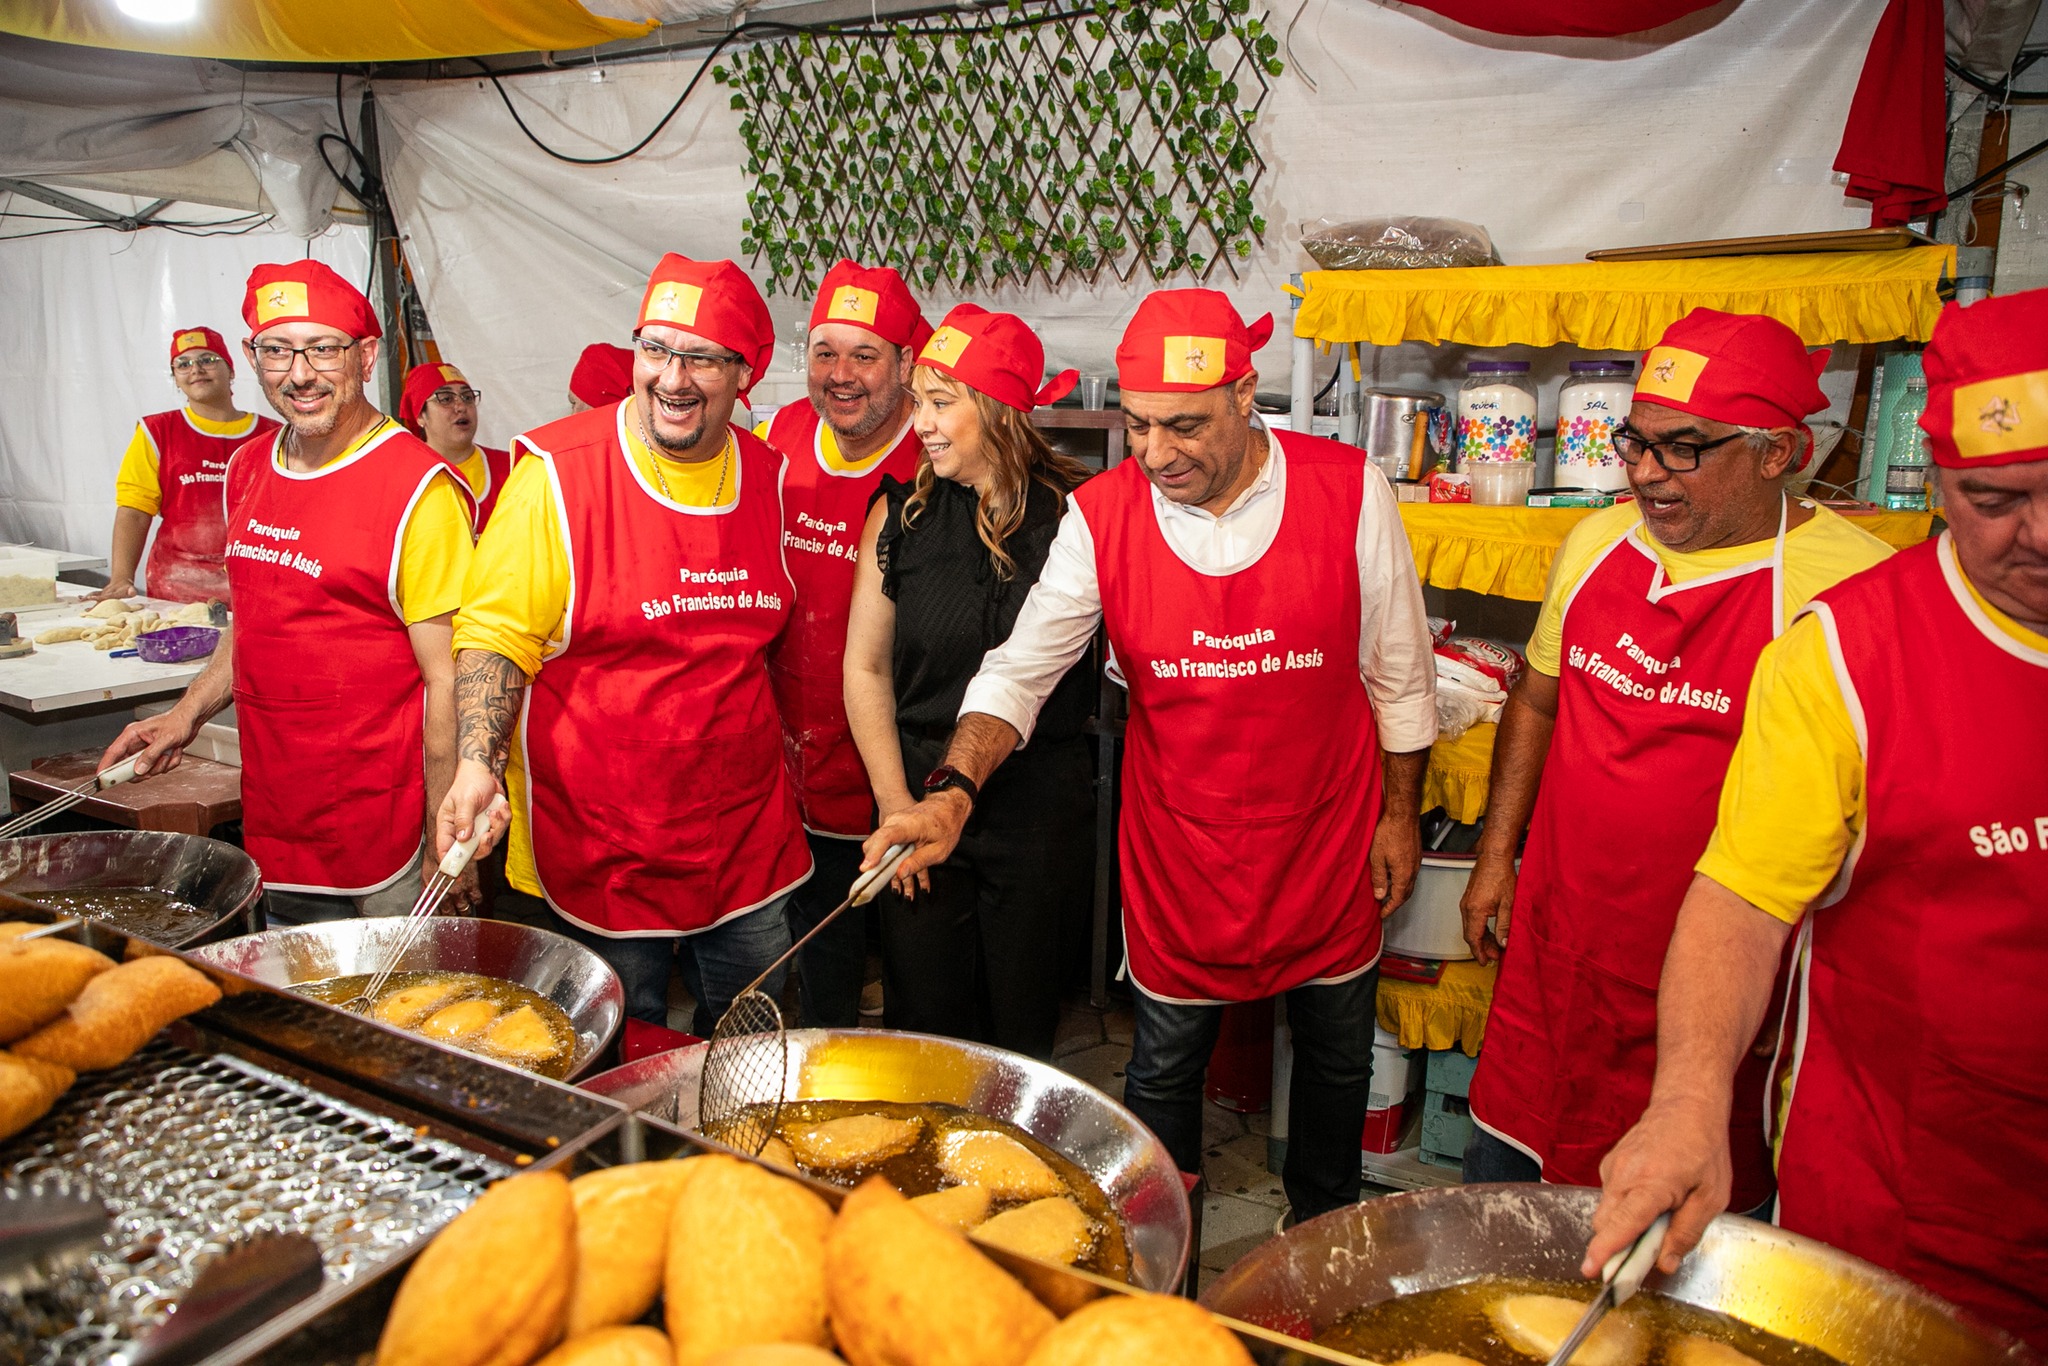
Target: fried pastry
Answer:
pixel 9 929
pixel 746 1261
pixel 1698 1351
pixel 120 1010
pixel 521 1036
pixel 493 1288
pixel 853 1141
pixel 407 1007
pixel 1537 1325
pixel 638 1345
pixel 774 1354
pixel 28 1088
pixel 622 1218
pixel 776 1153
pixel 957 1207
pixel 906 1292
pixel 1438 1359
pixel 1009 1170
pixel 1133 1328
pixel 1053 1229
pixel 39 978
pixel 459 1022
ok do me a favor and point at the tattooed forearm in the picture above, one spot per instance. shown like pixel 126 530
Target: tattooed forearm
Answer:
pixel 488 688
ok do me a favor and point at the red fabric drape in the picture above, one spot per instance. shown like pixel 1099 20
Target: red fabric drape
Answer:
pixel 1563 18
pixel 1895 147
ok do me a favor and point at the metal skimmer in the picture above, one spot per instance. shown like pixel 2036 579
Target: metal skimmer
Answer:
pixel 746 1068
pixel 91 787
pixel 193 1152
pixel 432 894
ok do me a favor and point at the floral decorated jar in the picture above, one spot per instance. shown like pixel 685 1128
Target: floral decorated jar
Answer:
pixel 1592 403
pixel 1496 414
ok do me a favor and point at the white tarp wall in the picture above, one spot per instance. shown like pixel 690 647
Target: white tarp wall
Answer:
pixel 86 352
pixel 1724 125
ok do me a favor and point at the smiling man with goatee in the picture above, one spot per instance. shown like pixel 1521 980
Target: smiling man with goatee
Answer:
pixel 611 667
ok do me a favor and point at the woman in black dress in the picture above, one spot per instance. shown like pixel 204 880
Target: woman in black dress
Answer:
pixel 973 951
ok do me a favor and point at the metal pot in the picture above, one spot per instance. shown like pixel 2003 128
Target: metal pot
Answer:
pixel 554 965
pixel 1396 430
pixel 1307 1279
pixel 1430 924
pixel 1072 1118
pixel 219 879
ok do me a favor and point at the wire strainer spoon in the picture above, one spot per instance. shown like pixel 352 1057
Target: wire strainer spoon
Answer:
pixel 431 896
pixel 746 1068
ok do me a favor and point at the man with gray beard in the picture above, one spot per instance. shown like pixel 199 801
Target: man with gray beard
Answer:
pixel 853 434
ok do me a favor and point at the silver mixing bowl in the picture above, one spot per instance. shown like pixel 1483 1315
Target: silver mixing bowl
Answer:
pixel 219 879
pixel 1308 1278
pixel 1069 1116
pixel 557 967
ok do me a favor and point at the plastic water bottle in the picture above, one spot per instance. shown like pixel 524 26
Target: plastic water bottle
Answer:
pixel 1905 477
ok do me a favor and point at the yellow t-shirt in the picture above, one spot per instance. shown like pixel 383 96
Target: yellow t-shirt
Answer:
pixel 474 471
pixel 828 444
pixel 136 484
pixel 517 592
pixel 1793 802
pixel 1819 554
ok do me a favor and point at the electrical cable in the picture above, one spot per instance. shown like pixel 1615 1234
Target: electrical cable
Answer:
pixel 1998 172
pixel 2000 90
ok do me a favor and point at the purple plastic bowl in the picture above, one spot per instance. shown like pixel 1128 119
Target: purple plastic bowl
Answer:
pixel 176 644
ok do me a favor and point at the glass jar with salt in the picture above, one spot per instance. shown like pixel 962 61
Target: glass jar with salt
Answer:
pixel 1592 403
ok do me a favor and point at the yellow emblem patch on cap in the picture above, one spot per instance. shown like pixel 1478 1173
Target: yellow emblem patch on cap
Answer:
pixel 673 302
pixel 451 375
pixel 2000 416
pixel 947 345
pixel 1670 372
pixel 189 341
pixel 1192 360
pixel 281 299
pixel 853 305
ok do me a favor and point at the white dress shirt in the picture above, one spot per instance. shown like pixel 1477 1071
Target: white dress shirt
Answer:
pixel 1059 618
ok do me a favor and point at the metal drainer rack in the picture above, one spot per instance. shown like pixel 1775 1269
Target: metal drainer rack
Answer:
pixel 192 1152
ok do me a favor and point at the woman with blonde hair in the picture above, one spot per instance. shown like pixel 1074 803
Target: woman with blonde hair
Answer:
pixel 973 949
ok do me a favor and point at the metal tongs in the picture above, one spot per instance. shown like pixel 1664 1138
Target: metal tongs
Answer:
pixel 98 783
pixel 1624 1275
pixel 431 896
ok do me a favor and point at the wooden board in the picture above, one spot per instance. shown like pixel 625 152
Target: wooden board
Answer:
pixel 1782 244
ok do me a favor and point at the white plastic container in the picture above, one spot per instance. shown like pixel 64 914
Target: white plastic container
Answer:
pixel 1429 924
pixel 1394 1079
pixel 1495 415
pixel 1505 485
pixel 1592 403
pixel 28 576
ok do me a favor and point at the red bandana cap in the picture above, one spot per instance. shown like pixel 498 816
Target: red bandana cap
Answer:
pixel 200 339
pixel 874 298
pixel 1187 340
pixel 1987 382
pixel 421 382
pixel 1740 368
pixel 996 354
pixel 717 301
pixel 603 375
pixel 307 292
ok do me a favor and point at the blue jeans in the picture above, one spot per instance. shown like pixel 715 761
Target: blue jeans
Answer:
pixel 717 963
pixel 1332 1029
pixel 1489 1159
pixel 832 968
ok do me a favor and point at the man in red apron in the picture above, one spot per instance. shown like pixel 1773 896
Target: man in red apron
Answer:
pixel 173 469
pixel 620 612
pixel 1890 797
pixel 346 546
pixel 439 407
pixel 865 331
pixel 1261 600
pixel 1653 620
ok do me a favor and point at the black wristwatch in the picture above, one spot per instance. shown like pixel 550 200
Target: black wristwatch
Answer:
pixel 945 776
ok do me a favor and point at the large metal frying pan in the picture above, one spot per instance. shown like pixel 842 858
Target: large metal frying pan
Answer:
pixel 218 878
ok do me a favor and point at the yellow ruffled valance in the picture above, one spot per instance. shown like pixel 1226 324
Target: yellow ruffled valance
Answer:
pixel 1460 773
pixel 1447 1013
pixel 1506 551
pixel 1869 296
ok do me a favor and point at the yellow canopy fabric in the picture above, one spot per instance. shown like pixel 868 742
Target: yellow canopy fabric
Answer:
pixel 312 31
pixel 1506 551
pixel 1625 306
pixel 1460 773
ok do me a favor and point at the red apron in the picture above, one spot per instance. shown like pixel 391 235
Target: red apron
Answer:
pixel 328 694
pixel 654 781
pixel 1917 1136
pixel 185 563
pixel 823 511
pixel 1649 708
pixel 497 469
pixel 1251 774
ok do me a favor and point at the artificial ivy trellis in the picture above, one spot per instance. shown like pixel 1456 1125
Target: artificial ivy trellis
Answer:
pixel 1056 143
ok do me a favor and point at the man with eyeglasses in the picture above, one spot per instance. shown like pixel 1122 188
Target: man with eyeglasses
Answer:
pixel 347 542
pixel 612 663
pixel 1889 800
pixel 1612 748
pixel 866 329
pixel 438 405
pixel 173 469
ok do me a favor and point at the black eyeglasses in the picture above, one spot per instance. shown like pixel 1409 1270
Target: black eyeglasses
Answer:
pixel 1678 457
pixel 706 363
pixel 449 398
pixel 276 358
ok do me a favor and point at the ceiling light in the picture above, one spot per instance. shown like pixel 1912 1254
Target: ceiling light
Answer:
pixel 158 11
